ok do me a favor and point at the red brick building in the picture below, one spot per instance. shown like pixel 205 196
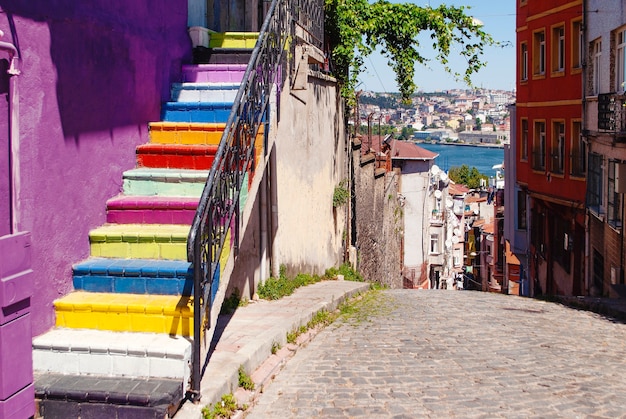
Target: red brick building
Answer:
pixel 550 156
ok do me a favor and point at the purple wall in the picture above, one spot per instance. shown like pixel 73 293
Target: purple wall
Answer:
pixel 93 74
pixel 5 201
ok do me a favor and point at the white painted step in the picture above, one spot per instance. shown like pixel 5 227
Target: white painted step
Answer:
pixel 84 352
pixel 204 92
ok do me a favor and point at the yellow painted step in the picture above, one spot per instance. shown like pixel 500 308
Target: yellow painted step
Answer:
pixel 233 39
pixel 172 315
pixel 140 241
pixel 186 133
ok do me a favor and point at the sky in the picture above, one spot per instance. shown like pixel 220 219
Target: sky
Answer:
pixel 499 21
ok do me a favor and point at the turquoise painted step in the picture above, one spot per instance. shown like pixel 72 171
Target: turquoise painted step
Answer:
pixel 209 112
pixel 164 182
pixel 134 276
pixel 204 92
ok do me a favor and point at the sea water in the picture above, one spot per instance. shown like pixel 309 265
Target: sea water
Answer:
pixel 481 157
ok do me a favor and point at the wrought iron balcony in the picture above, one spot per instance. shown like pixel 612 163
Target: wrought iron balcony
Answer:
pixel 612 113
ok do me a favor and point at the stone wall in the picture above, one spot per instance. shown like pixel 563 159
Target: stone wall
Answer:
pixel 379 221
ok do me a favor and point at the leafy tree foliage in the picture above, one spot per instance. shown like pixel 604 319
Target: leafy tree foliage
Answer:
pixel 355 28
pixel 407 133
pixel 384 129
pixel 383 102
pixel 466 176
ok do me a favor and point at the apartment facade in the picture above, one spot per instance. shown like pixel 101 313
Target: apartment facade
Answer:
pixel 605 131
pixel 549 150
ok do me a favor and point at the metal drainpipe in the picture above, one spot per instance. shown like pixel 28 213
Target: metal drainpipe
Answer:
pixel 264 242
pixel 13 133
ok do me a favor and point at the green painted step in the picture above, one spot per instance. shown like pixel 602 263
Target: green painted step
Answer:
pixel 164 182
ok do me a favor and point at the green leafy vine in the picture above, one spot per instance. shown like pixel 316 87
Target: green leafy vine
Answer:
pixel 356 28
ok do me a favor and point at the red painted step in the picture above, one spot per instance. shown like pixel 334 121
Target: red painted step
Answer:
pixel 176 156
pixel 124 209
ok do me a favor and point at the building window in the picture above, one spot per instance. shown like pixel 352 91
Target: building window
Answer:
pixel 524 140
pixel 539 146
pixel 578 149
pixel 613 202
pixel 594 183
pixel 558 147
pixel 456 257
pixel 434 244
pixel 598 272
pixel 620 58
pixel 539 53
pixel 521 210
pixel 523 61
pixel 558 49
pixel 596 48
pixel 577 44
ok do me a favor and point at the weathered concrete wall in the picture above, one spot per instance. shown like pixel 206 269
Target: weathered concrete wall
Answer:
pixel 292 221
pixel 310 154
pixel 379 222
pixel 417 210
pixel 93 74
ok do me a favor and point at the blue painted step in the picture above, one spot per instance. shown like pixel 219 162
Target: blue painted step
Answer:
pixel 215 112
pixel 134 276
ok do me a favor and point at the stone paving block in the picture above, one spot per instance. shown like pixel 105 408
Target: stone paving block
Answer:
pixel 521 365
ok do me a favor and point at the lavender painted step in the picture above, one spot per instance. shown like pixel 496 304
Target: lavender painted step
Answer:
pixel 134 276
pixel 204 92
pixel 213 73
pixel 196 112
pixel 151 210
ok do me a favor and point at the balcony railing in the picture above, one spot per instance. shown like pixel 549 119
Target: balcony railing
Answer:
pixel 612 113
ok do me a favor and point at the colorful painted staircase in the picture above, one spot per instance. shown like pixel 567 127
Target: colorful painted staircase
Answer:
pixel 123 337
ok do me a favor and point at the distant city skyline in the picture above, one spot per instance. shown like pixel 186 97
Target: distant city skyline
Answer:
pixel 499 21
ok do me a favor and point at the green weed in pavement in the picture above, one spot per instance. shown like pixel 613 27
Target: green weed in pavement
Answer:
pixel 276 288
pixel 245 381
pixel 373 303
pixel 225 408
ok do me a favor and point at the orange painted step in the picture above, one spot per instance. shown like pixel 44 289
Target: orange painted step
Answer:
pixel 176 156
pixel 189 132
pixel 186 133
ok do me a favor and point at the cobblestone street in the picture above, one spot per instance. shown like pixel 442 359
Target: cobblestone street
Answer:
pixel 456 354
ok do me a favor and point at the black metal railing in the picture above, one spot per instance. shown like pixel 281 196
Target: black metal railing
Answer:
pixel 219 207
pixel 612 112
pixel 309 16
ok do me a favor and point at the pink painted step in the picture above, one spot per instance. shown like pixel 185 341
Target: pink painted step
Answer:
pixel 213 73
pixel 125 209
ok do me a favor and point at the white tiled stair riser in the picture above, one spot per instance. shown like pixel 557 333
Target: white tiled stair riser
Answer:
pixel 112 354
pixel 204 92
